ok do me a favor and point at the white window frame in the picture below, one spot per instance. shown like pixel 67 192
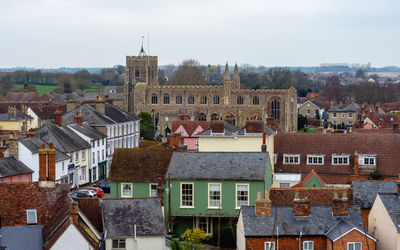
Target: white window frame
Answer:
pixel 340 156
pixel 209 224
pixel 334 115
pixel 361 159
pixel 354 245
pixel 308 112
pixel 315 156
pixel 275 158
pixel 308 241
pixel 220 196
pixel 271 245
pixel 112 244
pixel 284 184
pixel 31 212
pixel 298 156
pixel 236 194
pixel 350 114
pixel 122 189
pixel 184 206
pixel 150 189
pixel 84 155
pixel 342 115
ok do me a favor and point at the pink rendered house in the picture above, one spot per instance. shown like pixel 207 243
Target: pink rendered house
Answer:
pixel 13 170
pixel 189 129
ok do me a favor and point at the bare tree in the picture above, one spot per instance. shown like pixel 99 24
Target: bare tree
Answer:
pixel 189 72
pixel 277 78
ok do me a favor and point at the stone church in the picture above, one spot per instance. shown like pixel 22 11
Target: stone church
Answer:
pixel 228 102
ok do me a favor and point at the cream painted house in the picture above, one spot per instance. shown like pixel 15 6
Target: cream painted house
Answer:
pixel 15 121
pixel 384 221
pixel 230 139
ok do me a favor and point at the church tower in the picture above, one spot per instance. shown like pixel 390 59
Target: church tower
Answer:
pixel 236 78
pixel 141 69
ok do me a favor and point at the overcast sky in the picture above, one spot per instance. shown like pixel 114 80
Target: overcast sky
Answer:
pixel 73 33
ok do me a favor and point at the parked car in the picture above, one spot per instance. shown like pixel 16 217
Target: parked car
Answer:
pixel 99 191
pixel 105 186
pixel 83 193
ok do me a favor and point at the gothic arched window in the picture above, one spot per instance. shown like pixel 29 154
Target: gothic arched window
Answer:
pixel 239 100
pixel 166 99
pixel 256 100
pixel 178 99
pixel 216 99
pixel 191 99
pixel 203 99
pixel 154 98
pixel 275 109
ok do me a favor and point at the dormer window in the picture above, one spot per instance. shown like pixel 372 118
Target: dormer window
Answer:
pixel 291 159
pixel 315 159
pixel 31 216
pixel 369 160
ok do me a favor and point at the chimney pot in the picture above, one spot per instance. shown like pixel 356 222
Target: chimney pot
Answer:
pixel 263 207
pixel 340 206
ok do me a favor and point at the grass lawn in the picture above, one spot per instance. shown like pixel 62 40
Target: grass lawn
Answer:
pixel 308 131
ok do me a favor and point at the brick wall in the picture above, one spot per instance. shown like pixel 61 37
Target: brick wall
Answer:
pixel 286 242
pixel 354 236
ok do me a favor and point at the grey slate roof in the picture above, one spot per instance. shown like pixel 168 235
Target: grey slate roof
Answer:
pixel 392 205
pixel 18 117
pixel 64 138
pixel 92 117
pixel 364 192
pixel 88 131
pixel 10 166
pixel 34 144
pixel 339 229
pixel 229 130
pixel 120 216
pixel 22 238
pixel 218 165
pixel 317 104
pixel 353 107
pixel 319 222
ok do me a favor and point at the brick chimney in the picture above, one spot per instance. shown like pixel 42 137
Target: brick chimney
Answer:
pixel 301 207
pixel 395 128
pixel 264 145
pixel 182 146
pixel 75 211
pixel 78 118
pixel 263 207
pixel 355 168
pixel 51 161
pixel 42 163
pixel 13 145
pixel 58 116
pixel 340 206
pixel 100 104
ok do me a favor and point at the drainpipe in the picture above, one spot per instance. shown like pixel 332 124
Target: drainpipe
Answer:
pixel 300 240
pixel 277 238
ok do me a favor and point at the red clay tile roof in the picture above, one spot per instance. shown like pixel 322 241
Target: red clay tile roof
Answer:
pixel 91 208
pixel 52 205
pixel 140 164
pixel 190 126
pixel 46 112
pixel 307 178
pixel 22 97
pixel 384 121
pixel 316 196
pixel 254 127
pixel 386 147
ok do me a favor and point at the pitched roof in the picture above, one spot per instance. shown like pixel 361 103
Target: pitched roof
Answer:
pixel 218 165
pixel 308 177
pixel 52 204
pixel 46 112
pixel 392 205
pixel 316 104
pixel 386 147
pixel 140 164
pixel 64 138
pixel 255 128
pixel 342 228
pixel 34 144
pixel 120 216
pixel 88 131
pixel 190 126
pixel 220 129
pixel 93 117
pixel 21 96
pixel 316 196
pixel 364 192
pixel 384 121
pixel 18 117
pixel 10 166
pixel 352 107
pixel 26 237
pixel 319 222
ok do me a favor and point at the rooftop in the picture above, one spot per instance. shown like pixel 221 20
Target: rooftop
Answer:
pixel 120 216
pixel 364 192
pixel 34 144
pixel 218 165
pixel 392 205
pixel 88 131
pixel 10 166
